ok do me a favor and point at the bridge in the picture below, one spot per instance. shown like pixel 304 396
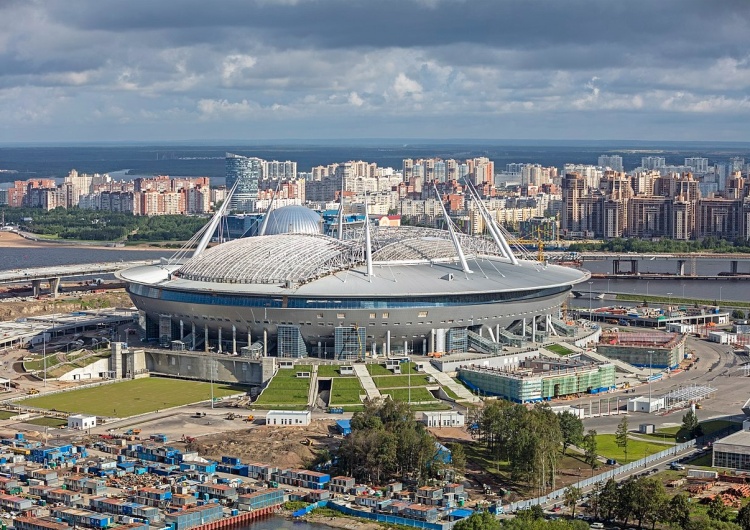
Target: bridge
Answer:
pixel 632 259
pixel 53 274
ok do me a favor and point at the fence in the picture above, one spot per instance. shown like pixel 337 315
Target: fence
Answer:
pixel 603 477
pixel 378 517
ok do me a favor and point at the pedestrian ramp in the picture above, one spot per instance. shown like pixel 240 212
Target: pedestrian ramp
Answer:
pixel 366 381
pixel 444 380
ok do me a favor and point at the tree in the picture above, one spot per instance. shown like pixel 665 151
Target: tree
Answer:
pixel 608 500
pixel 571 497
pixel 571 427
pixel 532 513
pixel 738 314
pixel 589 450
pixel 690 424
pixel 717 510
pixel 458 457
pixel 743 517
pixel 679 510
pixel 621 435
pixel 478 521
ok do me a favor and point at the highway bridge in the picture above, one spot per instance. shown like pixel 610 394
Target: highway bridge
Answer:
pixel 53 274
pixel 632 259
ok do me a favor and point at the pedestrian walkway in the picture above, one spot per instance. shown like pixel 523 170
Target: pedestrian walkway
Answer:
pixel 367 383
pixel 457 388
pixel 313 391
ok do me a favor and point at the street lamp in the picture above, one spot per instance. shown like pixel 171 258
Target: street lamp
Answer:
pixel 647 282
pixel 608 280
pixel 670 298
pixel 683 289
pixel 590 298
pixel 720 288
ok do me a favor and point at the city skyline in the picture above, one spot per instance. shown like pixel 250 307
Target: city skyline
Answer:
pixel 422 69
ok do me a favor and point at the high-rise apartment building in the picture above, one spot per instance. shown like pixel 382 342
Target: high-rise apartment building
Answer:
pixel 653 162
pixel 697 164
pixel 246 172
pixel 613 162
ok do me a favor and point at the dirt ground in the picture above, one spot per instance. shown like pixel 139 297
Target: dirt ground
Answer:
pixel 11 310
pixel 281 446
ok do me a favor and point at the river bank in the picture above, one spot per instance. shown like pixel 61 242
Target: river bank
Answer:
pixel 16 240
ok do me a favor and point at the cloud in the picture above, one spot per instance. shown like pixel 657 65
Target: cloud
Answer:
pixel 481 68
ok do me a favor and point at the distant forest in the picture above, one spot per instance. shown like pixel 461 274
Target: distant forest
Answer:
pixel 708 244
pixel 95 225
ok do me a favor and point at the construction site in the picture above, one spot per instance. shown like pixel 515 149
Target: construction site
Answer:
pixel 643 349
pixel 540 379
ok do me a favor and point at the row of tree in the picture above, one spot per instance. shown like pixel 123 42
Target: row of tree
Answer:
pixel 530 440
pixel 96 225
pixel 707 244
pixel 645 501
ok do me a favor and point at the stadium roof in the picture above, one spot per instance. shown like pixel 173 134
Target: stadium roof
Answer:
pixel 293 219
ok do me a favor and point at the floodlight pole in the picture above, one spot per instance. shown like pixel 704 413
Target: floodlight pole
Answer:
pixel 650 372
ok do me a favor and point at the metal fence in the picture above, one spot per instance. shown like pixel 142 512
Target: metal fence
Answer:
pixel 603 477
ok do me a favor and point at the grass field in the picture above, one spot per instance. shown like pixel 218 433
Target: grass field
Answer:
pixel 559 349
pixel 450 393
pixel 417 394
pixel 608 448
pixel 132 397
pixel 378 369
pixel 38 362
pixel 345 391
pixel 6 414
pixel 331 370
pixel 399 381
pixel 286 388
pixel 47 422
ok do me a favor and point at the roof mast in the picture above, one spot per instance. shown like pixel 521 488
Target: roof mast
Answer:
pixel 497 236
pixel 454 237
pixel 341 210
pixel 368 243
pixel 214 222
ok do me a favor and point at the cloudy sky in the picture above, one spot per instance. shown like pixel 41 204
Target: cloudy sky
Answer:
pixel 160 70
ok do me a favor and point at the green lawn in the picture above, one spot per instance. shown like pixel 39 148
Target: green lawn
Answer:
pixel 345 391
pixel 401 381
pixel 378 369
pixel 637 449
pixel 38 362
pixel 417 394
pixel 47 422
pixel 129 398
pixel 330 370
pixel 559 349
pixel 6 414
pixel 450 393
pixel 286 389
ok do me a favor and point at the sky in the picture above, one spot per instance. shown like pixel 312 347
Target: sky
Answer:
pixel 164 70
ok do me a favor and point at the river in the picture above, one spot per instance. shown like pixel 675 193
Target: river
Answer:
pixel 19 258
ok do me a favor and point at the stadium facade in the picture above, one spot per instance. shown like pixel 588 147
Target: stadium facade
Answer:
pixel 295 292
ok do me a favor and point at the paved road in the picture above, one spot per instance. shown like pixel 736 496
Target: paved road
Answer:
pixel 718 367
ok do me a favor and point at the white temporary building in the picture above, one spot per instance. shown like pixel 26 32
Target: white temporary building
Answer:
pixel 291 418
pixel 81 421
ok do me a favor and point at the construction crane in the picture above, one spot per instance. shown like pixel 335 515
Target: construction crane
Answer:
pixel 538 243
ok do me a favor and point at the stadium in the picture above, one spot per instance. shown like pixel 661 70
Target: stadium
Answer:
pixel 292 291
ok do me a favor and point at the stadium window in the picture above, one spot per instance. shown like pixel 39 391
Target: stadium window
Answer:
pixel 372 315
pixel 385 315
pixel 340 315
pixel 422 314
pixel 320 315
